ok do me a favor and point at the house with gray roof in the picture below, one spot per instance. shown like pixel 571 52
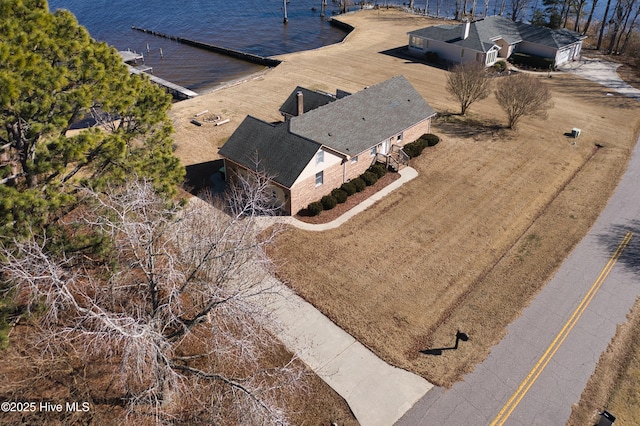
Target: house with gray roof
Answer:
pixel 494 38
pixel 324 143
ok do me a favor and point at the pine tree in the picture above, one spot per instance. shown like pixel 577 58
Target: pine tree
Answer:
pixel 53 75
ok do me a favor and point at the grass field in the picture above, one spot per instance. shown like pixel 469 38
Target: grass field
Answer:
pixel 466 244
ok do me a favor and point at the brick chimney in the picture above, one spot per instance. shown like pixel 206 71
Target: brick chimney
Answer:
pixel 300 102
pixel 465 29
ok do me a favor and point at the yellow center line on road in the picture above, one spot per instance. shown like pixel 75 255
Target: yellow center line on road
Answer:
pixel 513 402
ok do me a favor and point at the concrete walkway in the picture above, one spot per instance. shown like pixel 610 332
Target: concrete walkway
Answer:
pixel 602 72
pixel 377 393
pixel 406 175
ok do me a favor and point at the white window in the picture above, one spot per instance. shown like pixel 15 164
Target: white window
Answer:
pixel 374 151
pixel 491 57
pixel 354 159
pixel 319 178
pixel 319 157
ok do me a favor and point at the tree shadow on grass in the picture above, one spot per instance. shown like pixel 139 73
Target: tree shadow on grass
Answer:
pixel 466 127
pixel 630 257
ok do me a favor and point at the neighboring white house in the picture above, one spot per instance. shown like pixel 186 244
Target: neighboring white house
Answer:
pixel 494 38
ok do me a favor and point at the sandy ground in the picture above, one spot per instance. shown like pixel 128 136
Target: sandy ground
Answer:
pixel 474 237
pixel 327 68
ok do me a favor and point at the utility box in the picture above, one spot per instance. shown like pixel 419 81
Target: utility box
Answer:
pixel 575 132
pixel 606 418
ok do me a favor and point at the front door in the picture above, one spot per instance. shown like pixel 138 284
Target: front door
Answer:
pixel 384 149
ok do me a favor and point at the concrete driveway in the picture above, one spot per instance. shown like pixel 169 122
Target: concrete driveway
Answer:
pixel 602 72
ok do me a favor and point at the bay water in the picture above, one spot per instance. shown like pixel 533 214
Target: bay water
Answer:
pixel 247 25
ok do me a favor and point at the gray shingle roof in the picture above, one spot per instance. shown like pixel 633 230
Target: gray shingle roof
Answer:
pixel 548 37
pixel 360 121
pixel 483 32
pixel 311 101
pixel 282 154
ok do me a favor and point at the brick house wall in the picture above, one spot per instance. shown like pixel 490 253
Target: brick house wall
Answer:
pixel 414 132
pixel 365 160
pixel 305 191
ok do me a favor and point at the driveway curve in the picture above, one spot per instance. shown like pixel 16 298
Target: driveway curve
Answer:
pixel 602 72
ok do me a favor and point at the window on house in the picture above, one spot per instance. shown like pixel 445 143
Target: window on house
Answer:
pixel 374 150
pixel 319 157
pixel 461 53
pixel 319 178
pixel 400 137
pixel 426 44
pixel 354 159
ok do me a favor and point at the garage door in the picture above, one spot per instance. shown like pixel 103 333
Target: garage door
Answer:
pixel 563 56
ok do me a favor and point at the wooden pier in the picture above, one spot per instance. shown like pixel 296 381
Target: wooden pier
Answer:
pixel 130 57
pixel 131 60
pixel 178 92
pixel 249 57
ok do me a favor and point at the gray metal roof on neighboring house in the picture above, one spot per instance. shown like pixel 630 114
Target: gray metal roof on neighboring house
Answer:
pixel 494 27
pixel 549 37
pixel 483 32
pixel 360 121
pixel 310 100
pixel 281 154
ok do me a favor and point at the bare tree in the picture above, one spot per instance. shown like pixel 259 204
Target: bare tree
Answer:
pixel 518 7
pixel 594 3
pixel 603 25
pixel 172 299
pixel 578 6
pixel 468 83
pixel 523 95
pixel 625 15
pixel 630 29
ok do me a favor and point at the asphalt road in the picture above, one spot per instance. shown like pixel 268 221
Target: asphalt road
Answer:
pixel 535 374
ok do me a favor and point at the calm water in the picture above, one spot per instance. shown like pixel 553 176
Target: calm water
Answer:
pixel 248 25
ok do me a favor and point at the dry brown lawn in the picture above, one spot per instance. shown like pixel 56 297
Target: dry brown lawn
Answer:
pixel 466 244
